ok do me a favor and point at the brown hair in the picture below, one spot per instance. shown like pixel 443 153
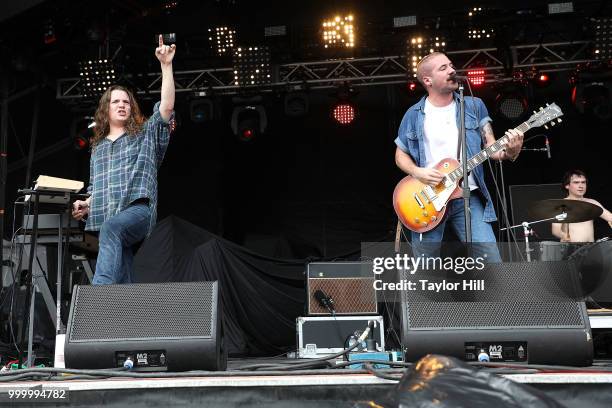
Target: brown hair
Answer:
pixel 102 128
pixel 567 178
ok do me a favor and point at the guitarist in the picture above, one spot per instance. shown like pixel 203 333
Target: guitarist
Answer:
pixel 429 132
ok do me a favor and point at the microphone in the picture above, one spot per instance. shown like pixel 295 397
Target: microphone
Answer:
pixel 325 300
pixel 547 147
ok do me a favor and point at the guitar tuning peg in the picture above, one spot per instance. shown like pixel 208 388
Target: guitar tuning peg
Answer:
pixel 553 123
pixel 535 111
pixel 548 104
pixel 541 108
pixel 545 126
pixel 559 120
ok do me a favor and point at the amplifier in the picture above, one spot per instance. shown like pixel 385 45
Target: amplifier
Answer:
pixel 349 284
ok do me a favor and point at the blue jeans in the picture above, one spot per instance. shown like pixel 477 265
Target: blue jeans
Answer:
pixel 483 239
pixel 118 235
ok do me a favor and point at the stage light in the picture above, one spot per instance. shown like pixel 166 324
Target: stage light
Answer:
pixel 222 39
pixel 476 76
pixel 96 76
pixel 249 121
pixel 81 131
pixel 557 8
pixel 405 21
pixel 275 31
pixel 252 66
pixel 511 103
pixel 419 46
pixel 201 110
pixel 478 24
pixel 49 32
pixel 344 113
pixel 296 104
pixel 603 38
pixel 412 86
pixel 592 90
pixel 339 32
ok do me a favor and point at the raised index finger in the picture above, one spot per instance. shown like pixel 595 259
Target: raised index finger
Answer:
pixel 161 40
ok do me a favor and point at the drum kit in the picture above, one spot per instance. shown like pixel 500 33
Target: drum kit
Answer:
pixel 592 259
pixel 559 211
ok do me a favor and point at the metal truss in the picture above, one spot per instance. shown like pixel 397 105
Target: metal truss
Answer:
pixel 498 64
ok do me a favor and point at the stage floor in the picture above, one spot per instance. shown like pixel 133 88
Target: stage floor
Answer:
pixel 311 388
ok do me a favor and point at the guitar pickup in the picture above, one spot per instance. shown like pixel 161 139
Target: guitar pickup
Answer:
pixel 418 200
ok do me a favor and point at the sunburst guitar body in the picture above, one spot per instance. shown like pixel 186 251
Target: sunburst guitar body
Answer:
pixel 421 207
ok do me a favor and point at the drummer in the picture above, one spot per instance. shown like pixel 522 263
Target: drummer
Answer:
pixel 575 182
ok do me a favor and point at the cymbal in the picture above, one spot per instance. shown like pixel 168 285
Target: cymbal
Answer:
pixel 577 210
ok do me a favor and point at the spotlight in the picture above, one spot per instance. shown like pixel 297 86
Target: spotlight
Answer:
pixel 49 32
pixel 603 38
pixel 344 113
pixel 201 110
pixel 476 76
pixel 419 46
pixel 339 32
pixel 81 131
pixel 477 24
pixel 296 104
pixel 96 76
pixel 249 121
pixel 222 39
pixel 412 86
pixel 592 93
pixel 511 103
pixel 558 8
pixel 275 31
pixel 252 66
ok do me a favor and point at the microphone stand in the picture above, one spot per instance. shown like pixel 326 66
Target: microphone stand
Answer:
pixel 465 184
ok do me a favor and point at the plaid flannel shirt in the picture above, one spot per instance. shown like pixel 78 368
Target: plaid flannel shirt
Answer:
pixel 125 170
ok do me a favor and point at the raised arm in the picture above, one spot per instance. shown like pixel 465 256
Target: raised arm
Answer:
pixel 165 55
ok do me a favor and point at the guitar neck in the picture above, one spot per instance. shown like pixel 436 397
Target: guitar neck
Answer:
pixel 484 154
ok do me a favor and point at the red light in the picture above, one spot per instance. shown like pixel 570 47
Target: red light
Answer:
pixel 476 77
pixel 247 134
pixel 344 113
pixel 543 77
pixel 80 143
pixel 412 86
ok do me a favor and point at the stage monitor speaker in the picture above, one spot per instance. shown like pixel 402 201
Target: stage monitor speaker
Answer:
pixel 173 326
pixel 506 312
pixel 525 196
pixel 350 285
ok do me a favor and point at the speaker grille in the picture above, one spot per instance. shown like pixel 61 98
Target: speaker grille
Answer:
pixel 534 295
pixel 143 311
pixel 350 295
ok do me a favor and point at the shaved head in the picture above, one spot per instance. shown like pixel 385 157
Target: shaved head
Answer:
pixel 425 66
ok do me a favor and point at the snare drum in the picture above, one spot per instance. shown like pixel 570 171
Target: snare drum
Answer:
pixel 553 250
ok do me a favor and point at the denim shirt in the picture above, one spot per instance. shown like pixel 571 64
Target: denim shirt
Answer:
pixel 411 133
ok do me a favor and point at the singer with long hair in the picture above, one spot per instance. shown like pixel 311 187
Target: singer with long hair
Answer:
pixel 126 152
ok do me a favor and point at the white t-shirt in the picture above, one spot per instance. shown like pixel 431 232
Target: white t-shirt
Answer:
pixel 442 135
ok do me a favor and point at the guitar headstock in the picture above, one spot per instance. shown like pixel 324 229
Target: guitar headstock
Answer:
pixel 545 115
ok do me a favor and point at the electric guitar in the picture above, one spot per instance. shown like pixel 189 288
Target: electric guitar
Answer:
pixel 421 207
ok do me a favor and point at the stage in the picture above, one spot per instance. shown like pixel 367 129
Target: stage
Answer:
pixel 590 387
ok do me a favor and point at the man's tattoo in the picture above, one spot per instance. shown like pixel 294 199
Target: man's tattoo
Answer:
pixel 486 130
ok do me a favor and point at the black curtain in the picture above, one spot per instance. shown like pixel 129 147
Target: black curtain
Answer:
pixel 260 297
